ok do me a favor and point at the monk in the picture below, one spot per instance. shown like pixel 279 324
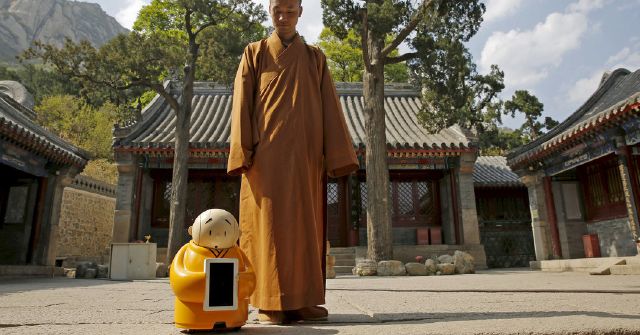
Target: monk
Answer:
pixel 287 132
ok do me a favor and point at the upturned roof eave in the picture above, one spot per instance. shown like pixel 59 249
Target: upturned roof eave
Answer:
pixel 578 131
pixel 24 131
pixel 525 153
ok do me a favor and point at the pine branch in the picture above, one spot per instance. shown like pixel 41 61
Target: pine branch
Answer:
pixel 415 20
pixel 400 59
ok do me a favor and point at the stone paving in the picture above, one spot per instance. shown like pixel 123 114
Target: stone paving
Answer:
pixel 490 302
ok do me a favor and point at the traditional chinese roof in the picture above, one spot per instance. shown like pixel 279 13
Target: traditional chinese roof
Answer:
pixel 211 119
pixel 615 100
pixel 18 128
pixel 493 171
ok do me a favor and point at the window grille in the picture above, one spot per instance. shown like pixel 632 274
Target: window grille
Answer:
pixel 604 194
pixel 332 198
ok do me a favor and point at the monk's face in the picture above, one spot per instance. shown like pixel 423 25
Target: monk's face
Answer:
pixel 284 15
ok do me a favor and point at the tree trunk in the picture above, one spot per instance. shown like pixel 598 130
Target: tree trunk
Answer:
pixel 180 178
pixel 380 242
pixel 179 181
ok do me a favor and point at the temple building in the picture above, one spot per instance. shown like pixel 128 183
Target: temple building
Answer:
pixel 433 206
pixel 35 166
pixel 583 176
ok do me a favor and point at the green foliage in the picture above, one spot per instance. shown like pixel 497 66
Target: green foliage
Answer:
pixel 222 39
pixel 102 169
pixel 130 64
pixel 39 81
pixel 345 58
pixel 78 123
pixel 531 108
pixel 453 91
pixel 497 141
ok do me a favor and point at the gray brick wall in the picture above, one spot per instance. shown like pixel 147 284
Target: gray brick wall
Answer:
pixel 615 237
pixel 85 227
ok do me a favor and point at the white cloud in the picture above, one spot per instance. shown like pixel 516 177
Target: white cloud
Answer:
pixel 583 88
pixel 127 16
pixel 497 9
pixel 628 58
pixel 527 57
pixel 585 6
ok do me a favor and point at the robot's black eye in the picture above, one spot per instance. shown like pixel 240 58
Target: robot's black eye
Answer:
pixel 225 233
pixel 209 232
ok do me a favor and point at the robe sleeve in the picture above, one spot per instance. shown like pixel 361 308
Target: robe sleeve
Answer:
pixel 242 139
pixel 340 158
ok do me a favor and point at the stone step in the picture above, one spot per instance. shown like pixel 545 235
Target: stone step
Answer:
pixel 343 269
pixel 345 257
pixel 625 270
pixel 346 262
pixel 635 260
pixel 342 251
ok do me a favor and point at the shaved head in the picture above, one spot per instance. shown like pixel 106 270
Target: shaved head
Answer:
pixel 299 2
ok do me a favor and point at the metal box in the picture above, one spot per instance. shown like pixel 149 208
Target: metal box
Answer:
pixel 131 261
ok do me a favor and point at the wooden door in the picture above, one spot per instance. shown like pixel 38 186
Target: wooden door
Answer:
pixel 336 212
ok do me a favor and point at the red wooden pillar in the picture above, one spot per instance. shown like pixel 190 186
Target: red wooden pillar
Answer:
pixel 552 218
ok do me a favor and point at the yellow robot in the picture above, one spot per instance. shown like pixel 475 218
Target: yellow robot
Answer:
pixel 214 235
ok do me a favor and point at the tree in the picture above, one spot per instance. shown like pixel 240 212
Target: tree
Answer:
pixel 84 126
pixel 452 90
pixel 345 58
pixel 39 81
pixel 531 108
pixel 407 21
pixel 80 124
pixel 141 59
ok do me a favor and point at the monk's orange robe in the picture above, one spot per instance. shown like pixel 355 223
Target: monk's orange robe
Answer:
pixel 287 131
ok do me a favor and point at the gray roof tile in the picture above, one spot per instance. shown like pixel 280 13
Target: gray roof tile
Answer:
pixel 16 125
pixel 494 171
pixel 212 106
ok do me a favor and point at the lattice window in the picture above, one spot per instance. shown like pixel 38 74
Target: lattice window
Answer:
pixel 426 199
pixel 604 195
pixel 332 198
pixel 363 196
pixel 404 195
pixel 615 185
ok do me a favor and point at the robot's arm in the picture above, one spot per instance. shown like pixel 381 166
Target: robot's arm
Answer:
pixel 187 285
pixel 247 280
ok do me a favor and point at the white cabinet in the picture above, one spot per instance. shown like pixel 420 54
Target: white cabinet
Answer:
pixel 132 261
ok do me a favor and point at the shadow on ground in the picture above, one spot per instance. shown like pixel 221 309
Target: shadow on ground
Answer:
pixel 17 285
pixel 423 318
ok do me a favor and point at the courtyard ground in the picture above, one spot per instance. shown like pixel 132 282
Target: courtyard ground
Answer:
pixel 515 301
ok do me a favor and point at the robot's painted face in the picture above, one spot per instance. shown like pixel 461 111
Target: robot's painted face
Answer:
pixel 215 228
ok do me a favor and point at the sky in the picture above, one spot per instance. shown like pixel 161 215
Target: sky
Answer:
pixel 558 50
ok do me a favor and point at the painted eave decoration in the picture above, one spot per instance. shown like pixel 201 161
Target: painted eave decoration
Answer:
pixel 616 101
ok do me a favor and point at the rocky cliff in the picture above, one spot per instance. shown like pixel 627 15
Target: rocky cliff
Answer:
pixel 50 21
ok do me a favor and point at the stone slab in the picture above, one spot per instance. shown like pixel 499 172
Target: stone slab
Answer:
pixel 497 302
pixel 605 269
pixel 625 270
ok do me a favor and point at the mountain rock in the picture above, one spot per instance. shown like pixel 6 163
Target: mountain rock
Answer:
pixel 24 21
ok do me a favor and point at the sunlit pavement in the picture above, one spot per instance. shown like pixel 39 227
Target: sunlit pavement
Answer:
pixel 490 302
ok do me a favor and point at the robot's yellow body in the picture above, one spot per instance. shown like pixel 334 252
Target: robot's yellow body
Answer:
pixel 188 277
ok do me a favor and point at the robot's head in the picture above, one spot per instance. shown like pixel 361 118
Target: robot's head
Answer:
pixel 215 228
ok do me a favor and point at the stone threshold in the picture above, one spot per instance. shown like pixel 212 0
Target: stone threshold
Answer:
pixel 580 264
